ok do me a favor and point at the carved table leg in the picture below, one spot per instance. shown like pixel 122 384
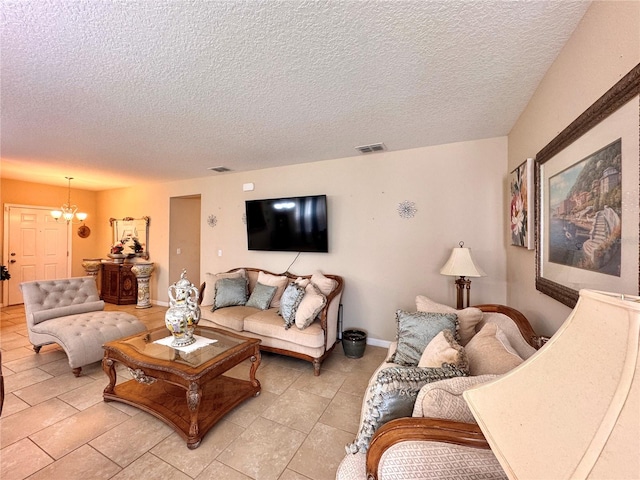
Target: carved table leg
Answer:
pixel 109 367
pixel 194 395
pixel 256 358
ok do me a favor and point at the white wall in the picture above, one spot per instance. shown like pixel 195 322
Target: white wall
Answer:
pixel 604 47
pixel 385 260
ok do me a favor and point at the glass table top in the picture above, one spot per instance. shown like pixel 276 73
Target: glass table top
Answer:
pixel 151 344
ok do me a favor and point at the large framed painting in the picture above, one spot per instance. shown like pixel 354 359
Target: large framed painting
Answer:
pixel 587 200
pixel 521 205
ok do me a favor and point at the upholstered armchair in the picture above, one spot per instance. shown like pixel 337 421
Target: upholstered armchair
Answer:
pixel 440 438
pixel 569 411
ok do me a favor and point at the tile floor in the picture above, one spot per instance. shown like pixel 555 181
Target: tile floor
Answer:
pixel 56 426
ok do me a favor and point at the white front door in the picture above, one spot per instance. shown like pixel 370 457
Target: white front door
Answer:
pixel 38 248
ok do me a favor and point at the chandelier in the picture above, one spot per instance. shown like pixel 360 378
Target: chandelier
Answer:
pixel 67 211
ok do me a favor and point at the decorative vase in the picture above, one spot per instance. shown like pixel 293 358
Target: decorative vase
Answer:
pixel 183 314
pixel 117 257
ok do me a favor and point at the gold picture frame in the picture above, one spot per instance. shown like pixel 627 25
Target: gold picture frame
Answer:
pixel 134 235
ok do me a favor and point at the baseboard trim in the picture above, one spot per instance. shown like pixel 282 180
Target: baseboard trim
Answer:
pixel 376 342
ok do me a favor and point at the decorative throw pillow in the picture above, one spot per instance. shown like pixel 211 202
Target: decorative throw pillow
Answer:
pixel 489 352
pixel 290 302
pixel 230 292
pixel 311 305
pixel 468 318
pixel 415 331
pixel 303 282
pixel 444 399
pixel 392 394
pixel 210 279
pixel 444 349
pixel 278 281
pixel 325 284
pixel 261 296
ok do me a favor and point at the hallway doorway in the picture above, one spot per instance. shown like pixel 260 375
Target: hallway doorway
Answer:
pixel 184 238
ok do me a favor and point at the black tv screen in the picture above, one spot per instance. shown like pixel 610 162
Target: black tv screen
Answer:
pixel 294 224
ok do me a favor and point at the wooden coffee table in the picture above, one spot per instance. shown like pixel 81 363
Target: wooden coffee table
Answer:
pixel 189 391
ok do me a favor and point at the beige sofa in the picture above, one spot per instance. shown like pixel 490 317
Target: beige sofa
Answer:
pixel 311 336
pixel 439 437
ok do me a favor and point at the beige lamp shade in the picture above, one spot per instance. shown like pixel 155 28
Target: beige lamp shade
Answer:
pixel 572 410
pixel 461 264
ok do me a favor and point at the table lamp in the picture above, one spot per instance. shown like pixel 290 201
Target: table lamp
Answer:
pixel 460 264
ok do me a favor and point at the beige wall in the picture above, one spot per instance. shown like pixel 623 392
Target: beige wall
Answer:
pixel 458 190
pixel 604 47
pixel 24 193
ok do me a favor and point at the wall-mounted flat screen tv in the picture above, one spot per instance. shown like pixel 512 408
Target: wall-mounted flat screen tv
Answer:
pixel 293 224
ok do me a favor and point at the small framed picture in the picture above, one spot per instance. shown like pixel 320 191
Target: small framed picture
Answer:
pixel 521 212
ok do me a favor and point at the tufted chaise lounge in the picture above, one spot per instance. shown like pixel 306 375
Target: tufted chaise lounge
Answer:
pixel 69 312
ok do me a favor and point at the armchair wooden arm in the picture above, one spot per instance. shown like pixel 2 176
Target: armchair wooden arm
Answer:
pixel 532 338
pixel 421 429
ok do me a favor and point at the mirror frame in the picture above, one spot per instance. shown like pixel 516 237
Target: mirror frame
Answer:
pixel 139 228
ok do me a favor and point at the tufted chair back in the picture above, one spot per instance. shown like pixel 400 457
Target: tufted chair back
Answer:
pixel 47 299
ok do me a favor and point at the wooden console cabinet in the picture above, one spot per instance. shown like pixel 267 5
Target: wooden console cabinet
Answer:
pixel 119 284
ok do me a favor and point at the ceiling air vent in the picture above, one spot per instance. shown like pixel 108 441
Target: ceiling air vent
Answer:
pixel 220 169
pixel 374 147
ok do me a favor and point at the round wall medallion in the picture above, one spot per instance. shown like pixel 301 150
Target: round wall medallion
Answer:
pixel 407 209
pixel 212 221
pixel 84 231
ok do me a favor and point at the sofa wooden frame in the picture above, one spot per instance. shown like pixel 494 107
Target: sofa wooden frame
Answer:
pixel 328 347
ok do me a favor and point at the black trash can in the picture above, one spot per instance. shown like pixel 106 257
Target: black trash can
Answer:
pixel 354 342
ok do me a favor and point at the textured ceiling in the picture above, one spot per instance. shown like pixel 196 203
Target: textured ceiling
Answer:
pixel 116 93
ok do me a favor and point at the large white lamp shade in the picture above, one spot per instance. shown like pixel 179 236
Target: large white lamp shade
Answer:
pixel 572 410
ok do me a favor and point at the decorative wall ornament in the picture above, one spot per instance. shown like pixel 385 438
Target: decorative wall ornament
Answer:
pixel 407 209
pixel 212 220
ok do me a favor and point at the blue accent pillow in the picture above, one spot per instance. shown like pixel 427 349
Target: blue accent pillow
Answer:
pixel 392 394
pixel 290 302
pixel 416 330
pixel 230 292
pixel 261 296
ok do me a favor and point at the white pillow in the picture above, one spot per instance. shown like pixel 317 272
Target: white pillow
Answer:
pixel 468 318
pixel 490 352
pixel 303 282
pixel 325 284
pixel 280 282
pixel 443 348
pixel 311 305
